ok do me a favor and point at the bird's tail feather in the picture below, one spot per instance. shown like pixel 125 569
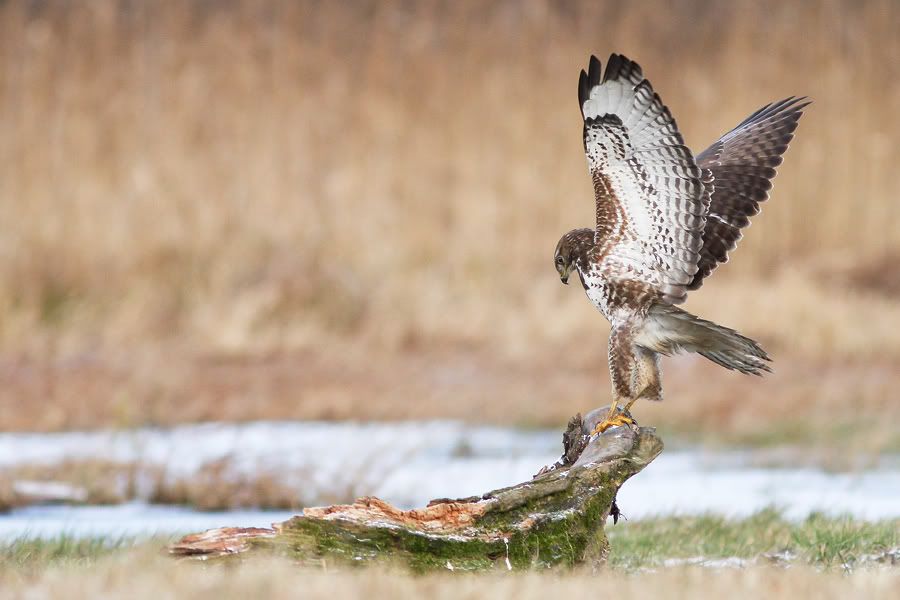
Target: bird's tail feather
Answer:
pixel 676 330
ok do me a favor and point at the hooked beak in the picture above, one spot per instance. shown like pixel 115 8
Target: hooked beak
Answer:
pixel 564 276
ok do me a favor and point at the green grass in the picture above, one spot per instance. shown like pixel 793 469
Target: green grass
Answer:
pixel 29 556
pixel 818 540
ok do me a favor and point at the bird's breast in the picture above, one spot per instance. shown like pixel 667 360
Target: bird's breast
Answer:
pixel 618 298
pixel 597 288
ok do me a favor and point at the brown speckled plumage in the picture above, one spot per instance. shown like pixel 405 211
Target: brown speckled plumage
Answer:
pixel 665 220
pixel 741 165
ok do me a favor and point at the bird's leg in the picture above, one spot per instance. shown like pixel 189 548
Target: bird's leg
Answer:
pixel 628 406
pixel 613 409
pixel 621 366
pixel 614 418
pixel 645 377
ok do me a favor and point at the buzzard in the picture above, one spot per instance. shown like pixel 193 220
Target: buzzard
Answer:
pixel 665 220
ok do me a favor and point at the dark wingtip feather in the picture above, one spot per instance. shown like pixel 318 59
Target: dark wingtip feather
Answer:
pixel 617 67
pixel 620 66
pixel 792 106
pixel 595 71
pixel 583 90
pixel 613 66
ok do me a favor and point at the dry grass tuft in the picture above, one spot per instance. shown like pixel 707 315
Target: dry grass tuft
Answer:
pixel 144 574
pixel 217 485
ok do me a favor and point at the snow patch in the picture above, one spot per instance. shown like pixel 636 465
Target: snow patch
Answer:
pixel 407 464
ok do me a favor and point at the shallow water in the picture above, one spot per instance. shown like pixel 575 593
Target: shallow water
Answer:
pixel 410 463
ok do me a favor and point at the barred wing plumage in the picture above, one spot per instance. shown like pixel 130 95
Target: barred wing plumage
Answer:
pixel 651 196
pixel 742 165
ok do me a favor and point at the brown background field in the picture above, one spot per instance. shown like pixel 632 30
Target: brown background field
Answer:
pixel 240 210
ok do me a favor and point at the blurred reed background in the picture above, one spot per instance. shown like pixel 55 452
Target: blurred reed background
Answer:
pixel 236 210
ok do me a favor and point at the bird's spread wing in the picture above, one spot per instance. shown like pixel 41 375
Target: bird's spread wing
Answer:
pixel 742 164
pixel 651 195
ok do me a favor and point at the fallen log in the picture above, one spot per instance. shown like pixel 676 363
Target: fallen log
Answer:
pixel 555 519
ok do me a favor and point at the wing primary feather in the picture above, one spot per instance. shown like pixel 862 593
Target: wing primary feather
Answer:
pixel 651 196
pixel 583 91
pixel 741 165
pixel 612 67
pixel 594 71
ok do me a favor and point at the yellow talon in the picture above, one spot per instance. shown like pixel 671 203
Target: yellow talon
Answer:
pixel 615 421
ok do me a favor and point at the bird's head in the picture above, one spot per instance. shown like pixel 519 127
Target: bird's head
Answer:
pixel 570 248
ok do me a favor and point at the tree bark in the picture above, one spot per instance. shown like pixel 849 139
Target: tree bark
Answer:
pixel 554 520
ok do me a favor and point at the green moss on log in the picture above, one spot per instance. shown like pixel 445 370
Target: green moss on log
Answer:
pixel 555 520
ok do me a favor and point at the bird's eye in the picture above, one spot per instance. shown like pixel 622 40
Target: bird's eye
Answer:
pixel 559 260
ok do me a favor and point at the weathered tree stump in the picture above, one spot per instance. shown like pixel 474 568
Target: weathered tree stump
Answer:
pixel 556 519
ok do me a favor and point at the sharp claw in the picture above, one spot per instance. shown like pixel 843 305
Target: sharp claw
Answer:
pixel 616 421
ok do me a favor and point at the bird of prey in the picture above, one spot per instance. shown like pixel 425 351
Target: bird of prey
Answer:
pixel 665 220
